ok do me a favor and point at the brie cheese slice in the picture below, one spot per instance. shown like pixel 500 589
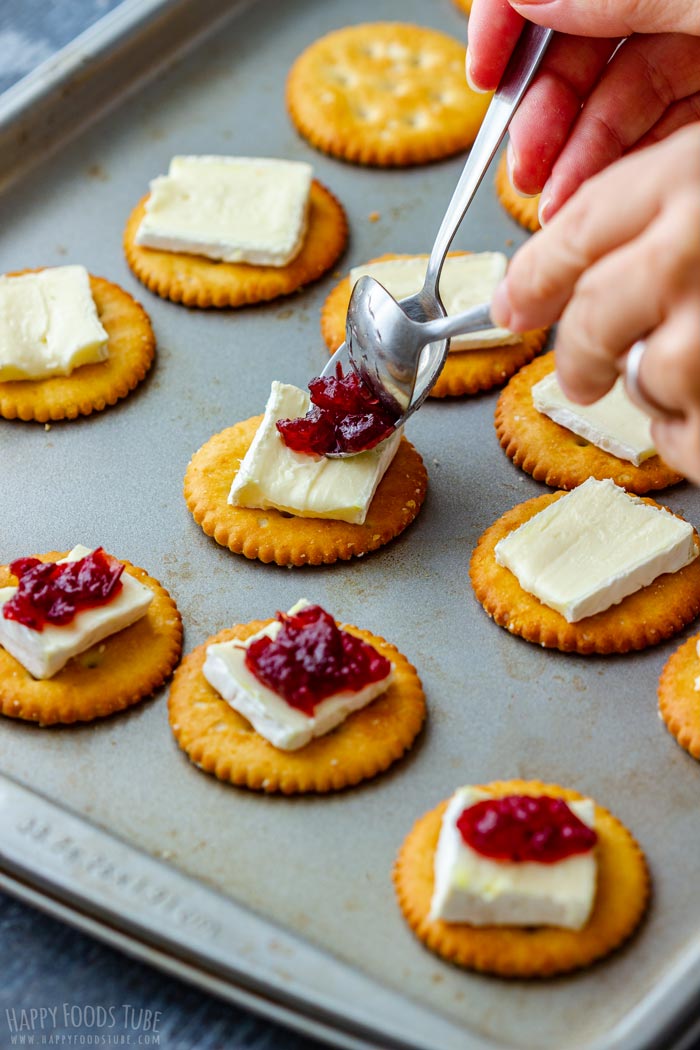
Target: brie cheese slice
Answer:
pixel 284 726
pixel 475 889
pixel 614 423
pixel 273 475
pixel 49 324
pixel 593 547
pixel 237 209
pixel 43 653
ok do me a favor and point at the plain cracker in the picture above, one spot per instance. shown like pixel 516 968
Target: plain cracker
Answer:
pixel 679 700
pixel 385 93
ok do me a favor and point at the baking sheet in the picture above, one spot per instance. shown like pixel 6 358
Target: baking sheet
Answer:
pixel 498 707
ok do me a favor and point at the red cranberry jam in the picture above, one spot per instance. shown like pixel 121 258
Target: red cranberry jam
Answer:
pixel 346 417
pixel 311 658
pixel 54 594
pixel 519 828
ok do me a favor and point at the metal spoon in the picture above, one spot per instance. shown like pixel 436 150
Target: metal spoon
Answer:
pixel 399 348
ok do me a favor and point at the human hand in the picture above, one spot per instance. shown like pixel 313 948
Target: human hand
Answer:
pixel 589 103
pixel 621 262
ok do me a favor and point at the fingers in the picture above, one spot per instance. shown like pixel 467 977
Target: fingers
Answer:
pixel 494 28
pixel 650 285
pixel 676 116
pixel 674 350
pixel 602 216
pixel 568 73
pixel 646 76
pixel 603 18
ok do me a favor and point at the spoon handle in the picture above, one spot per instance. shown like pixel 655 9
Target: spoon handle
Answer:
pixel 476 319
pixel 521 68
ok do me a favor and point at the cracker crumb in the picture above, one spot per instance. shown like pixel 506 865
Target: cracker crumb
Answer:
pixel 509 242
pixel 47 426
pixel 374 216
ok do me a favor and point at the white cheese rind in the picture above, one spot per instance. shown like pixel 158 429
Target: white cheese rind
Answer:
pixel 284 726
pixel 614 423
pixel 466 281
pixel 49 324
pixel 273 475
pixel 236 209
pixel 44 653
pixel 593 547
pixel 474 889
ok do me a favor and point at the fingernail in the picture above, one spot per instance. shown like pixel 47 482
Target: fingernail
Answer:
pixel 545 201
pixel 501 308
pixel 468 71
pixel 510 161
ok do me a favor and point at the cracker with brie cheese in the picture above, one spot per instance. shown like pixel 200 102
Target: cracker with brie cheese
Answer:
pixel 477 362
pixel 93 386
pixel 647 614
pixel 221 741
pixel 523 209
pixel 679 695
pixel 388 94
pixel 279 536
pixel 114 674
pixel 196 280
pixel 562 458
pixel 621 898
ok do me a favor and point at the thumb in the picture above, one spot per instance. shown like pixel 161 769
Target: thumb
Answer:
pixel 619 18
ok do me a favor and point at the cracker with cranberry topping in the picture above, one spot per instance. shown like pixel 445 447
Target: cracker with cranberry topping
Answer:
pixel 464 371
pixel 646 617
pixel 115 674
pixel 91 387
pixel 523 209
pixel 195 280
pixel 679 695
pixel 385 93
pixel 622 894
pixel 222 742
pixel 557 456
pixel 272 536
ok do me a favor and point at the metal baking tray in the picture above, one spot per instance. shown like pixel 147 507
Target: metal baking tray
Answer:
pixel 286 905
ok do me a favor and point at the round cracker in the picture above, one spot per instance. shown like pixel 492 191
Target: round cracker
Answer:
pixel 523 209
pixel 271 536
pixel 622 894
pixel 642 619
pixel 197 281
pixel 221 741
pixel 111 676
pixel 464 371
pixel 90 388
pixel 555 455
pixel 385 93
pixel 679 697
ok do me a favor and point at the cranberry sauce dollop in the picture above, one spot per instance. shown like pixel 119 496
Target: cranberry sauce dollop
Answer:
pixel 520 828
pixel 311 658
pixel 53 593
pixel 346 417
